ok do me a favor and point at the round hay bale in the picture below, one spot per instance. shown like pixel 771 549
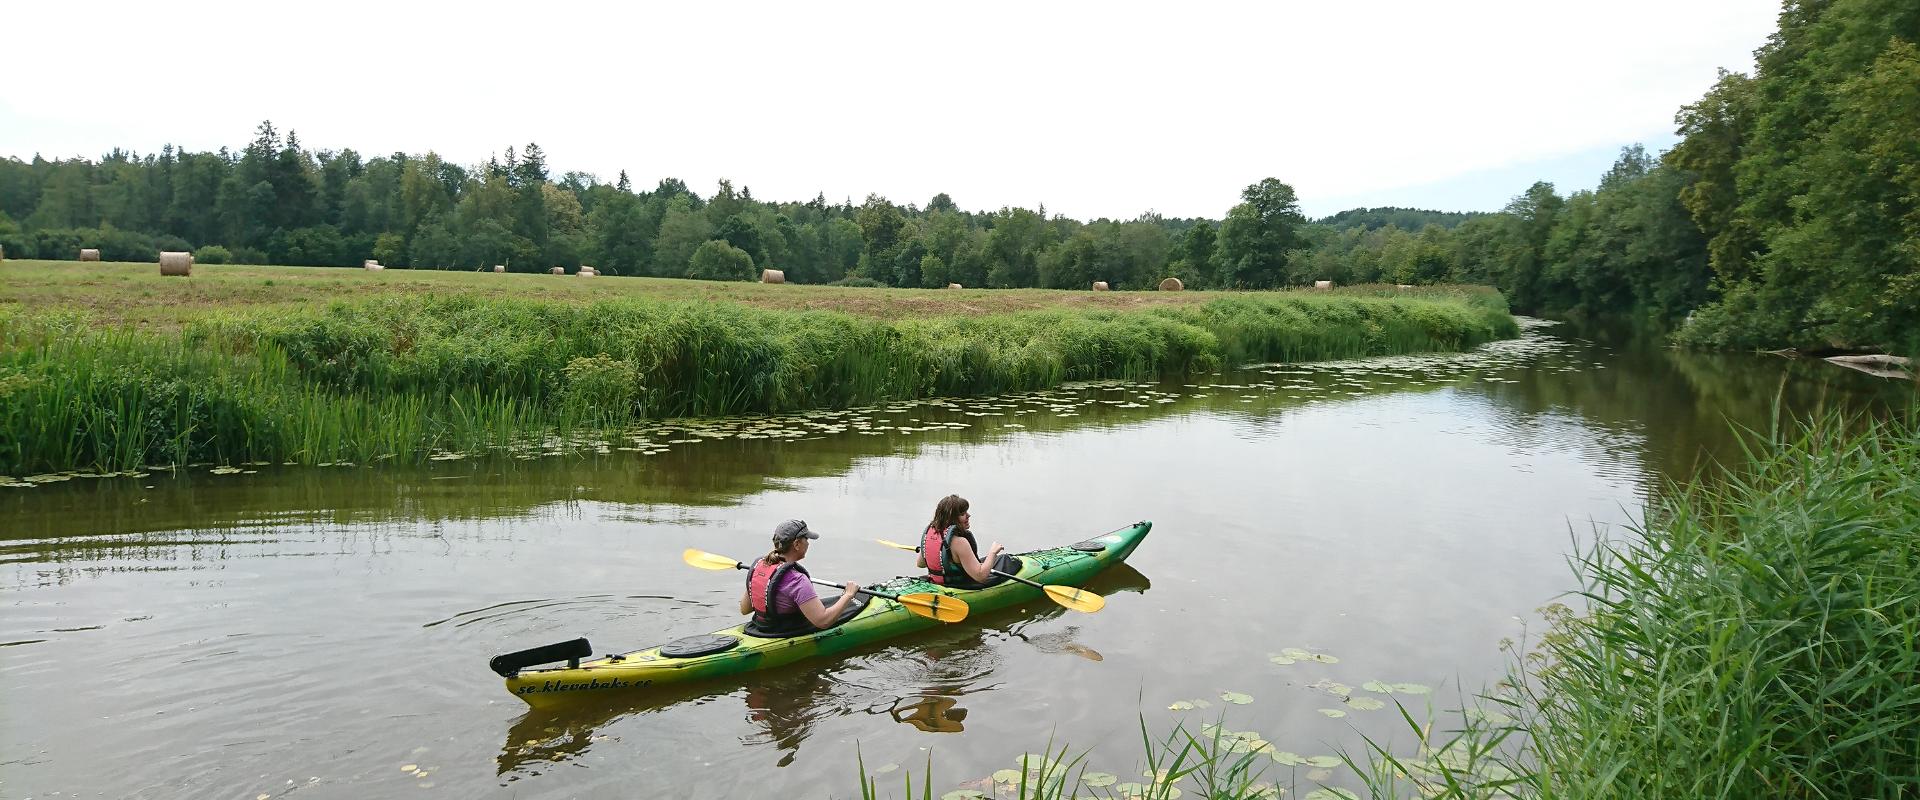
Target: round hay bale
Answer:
pixel 176 263
pixel 499 268
pixel 773 276
pixel 587 273
pixel 370 263
pixel 1403 286
pixel 557 271
pixel 89 254
pixel 954 286
pixel 1323 284
pixel 589 268
pixel 374 267
pixel 1172 285
pixel 1099 286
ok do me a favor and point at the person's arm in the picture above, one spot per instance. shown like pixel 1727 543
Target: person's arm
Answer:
pixel 822 615
pixel 746 601
pixel 980 571
pixel 921 562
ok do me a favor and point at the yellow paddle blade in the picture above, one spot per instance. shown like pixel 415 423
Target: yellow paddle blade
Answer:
pixel 706 560
pixel 1076 599
pixel 898 546
pixel 935 606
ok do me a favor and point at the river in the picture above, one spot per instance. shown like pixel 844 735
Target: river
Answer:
pixel 323 632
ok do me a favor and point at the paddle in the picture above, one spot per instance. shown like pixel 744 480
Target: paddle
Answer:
pixel 1076 599
pixel 931 606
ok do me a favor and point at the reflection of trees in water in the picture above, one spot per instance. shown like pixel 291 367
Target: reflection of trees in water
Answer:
pixel 919 680
pixel 1679 409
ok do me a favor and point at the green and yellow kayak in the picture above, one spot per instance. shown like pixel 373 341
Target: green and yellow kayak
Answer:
pixel 733 650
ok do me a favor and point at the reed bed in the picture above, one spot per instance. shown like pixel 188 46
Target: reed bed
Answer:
pixel 1758 637
pixel 401 376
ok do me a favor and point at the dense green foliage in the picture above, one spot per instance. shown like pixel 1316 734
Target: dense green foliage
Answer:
pixel 399 376
pixel 1758 639
pixel 1406 219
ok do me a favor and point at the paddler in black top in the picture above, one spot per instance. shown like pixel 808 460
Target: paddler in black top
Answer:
pixel 949 553
pixel 779 592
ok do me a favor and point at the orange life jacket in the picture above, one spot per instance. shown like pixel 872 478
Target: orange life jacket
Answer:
pixel 762 582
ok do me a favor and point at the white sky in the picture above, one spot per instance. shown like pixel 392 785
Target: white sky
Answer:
pixel 1096 109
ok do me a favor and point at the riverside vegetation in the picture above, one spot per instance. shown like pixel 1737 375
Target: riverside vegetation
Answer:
pixel 408 375
pixel 1756 638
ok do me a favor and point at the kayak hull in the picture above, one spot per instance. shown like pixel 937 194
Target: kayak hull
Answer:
pixel 882 619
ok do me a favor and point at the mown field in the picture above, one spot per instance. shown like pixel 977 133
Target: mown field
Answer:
pixel 126 293
pixel 113 367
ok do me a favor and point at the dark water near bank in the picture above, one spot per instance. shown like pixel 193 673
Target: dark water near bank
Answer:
pixel 309 632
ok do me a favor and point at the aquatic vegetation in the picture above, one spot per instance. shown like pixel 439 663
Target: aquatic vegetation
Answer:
pixel 407 377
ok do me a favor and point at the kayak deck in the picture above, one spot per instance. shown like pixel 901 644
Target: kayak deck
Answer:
pixel 1070 565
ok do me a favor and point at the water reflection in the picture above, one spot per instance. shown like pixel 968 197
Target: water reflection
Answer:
pixel 932 713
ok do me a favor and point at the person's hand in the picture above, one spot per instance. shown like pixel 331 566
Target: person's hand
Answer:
pixel 853 587
pixel 993 553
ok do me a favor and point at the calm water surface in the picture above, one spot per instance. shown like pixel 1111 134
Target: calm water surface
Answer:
pixel 309 632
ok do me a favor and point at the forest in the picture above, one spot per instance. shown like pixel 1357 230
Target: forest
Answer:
pixel 1787 215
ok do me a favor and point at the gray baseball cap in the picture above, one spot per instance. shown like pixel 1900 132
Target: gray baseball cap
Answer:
pixel 792 529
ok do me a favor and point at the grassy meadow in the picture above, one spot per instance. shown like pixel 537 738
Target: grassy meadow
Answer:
pixel 113 367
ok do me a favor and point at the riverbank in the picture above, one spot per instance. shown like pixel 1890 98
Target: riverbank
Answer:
pixel 1755 639
pixel 163 371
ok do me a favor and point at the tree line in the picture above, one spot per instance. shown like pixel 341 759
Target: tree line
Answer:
pixel 1789 213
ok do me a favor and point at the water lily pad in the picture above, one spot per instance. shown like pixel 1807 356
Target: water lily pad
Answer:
pixel 1412 688
pixel 224 470
pixel 1332 687
pixel 1181 706
pixel 1289 759
pixel 1333 713
pixel 1377 686
pixel 1008 776
pixel 1319 774
pixel 1264 791
pixel 410 768
pixel 1236 698
pixel 1096 779
pixel 1324 762
pixel 1295 653
pixel 1201 703
pixel 1130 790
pixel 1323 658
pixel 1034 763
pixel 1365 704
pixel 1331 794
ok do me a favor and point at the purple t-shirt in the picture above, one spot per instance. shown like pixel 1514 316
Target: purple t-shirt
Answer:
pixel 794 589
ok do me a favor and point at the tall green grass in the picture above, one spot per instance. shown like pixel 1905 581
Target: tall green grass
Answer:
pixel 401 376
pixel 1759 637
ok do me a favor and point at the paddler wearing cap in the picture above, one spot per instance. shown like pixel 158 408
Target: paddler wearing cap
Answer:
pixel 779 592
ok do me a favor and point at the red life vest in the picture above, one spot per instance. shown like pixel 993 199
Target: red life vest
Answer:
pixel 937 547
pixel 762 582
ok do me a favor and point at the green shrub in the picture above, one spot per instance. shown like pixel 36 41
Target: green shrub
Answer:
pixel 716 260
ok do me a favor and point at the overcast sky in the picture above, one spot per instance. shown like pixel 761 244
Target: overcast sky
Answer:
pixel 1096 109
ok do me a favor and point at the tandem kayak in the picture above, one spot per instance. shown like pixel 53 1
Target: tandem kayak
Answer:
pixel 734 651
